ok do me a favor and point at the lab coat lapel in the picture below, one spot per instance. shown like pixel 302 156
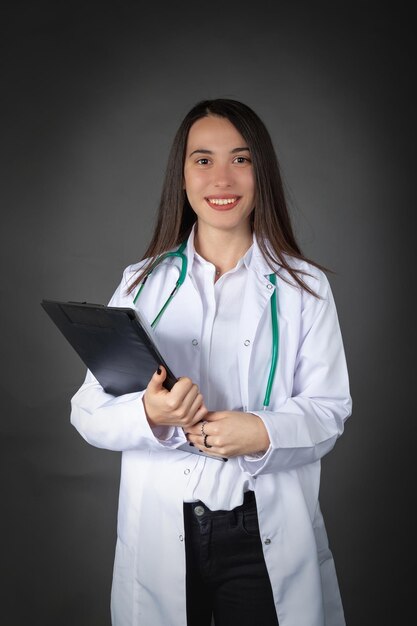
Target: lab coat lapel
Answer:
pixel 258 292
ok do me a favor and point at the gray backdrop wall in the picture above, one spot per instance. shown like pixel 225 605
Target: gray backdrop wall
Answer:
pixel 92 93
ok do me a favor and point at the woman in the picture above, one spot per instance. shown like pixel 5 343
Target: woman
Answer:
pixel 241 539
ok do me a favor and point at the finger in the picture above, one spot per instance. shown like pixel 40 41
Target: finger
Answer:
pixel 197 418
pixel 198 407
pixel 194 427
pixel 194 439
pixel 193 430
pixel 198 440
pixel 195 434
pixel 194 415
pixel 180 408
pixel 155 384
pixel 181 388
pixel 192 401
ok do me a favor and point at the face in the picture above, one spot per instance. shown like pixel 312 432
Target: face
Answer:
pixel 218 175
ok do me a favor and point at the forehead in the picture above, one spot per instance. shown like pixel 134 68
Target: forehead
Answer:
pixel 213 132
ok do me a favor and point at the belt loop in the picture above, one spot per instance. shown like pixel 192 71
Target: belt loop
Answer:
pixel 249 498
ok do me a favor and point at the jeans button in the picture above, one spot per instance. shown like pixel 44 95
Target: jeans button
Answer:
pixel 199 510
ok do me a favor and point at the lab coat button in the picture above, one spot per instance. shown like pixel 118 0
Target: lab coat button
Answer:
pixel 267 542
pixel 246 342
pixel 186 471
pixel 194 342
pixel 199 510
pixel 181 537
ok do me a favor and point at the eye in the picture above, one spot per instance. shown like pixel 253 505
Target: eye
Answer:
pixel 241 160
pixel 203 161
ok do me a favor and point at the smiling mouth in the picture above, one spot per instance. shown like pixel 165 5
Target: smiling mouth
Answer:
pixel 223 204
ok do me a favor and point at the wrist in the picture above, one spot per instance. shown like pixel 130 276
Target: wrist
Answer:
pixel 263 440
pixel 151 422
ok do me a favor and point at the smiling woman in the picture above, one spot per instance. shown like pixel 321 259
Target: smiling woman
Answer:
pixel 220 187
pixel 243 540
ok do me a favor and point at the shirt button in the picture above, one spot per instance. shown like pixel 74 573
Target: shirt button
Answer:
pixel 269 286
pixel 194 342
pixel 247 342
pixel 267 542
pixel 199 510
pixel 186 471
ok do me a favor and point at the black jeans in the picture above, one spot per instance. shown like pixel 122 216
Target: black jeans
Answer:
pixel 226 571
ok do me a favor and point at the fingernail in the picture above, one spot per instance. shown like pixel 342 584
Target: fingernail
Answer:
pixel 159 371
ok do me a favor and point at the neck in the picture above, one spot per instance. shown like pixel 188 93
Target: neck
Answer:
pixel 223 249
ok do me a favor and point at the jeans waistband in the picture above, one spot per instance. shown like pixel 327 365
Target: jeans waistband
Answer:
pixel 200 509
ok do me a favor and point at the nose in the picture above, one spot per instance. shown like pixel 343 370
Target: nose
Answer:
pixel 223 175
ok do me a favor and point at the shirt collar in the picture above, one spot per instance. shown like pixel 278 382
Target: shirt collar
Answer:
pixel 193 256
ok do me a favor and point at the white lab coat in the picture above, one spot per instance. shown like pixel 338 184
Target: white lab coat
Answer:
pixel 310 401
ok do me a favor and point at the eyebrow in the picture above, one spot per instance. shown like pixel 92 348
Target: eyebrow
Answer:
pixel 202 151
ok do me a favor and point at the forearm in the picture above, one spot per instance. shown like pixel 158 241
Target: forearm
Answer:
pixel 117 423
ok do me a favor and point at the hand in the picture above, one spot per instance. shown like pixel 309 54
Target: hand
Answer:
pixel 182 406
pixel 230 433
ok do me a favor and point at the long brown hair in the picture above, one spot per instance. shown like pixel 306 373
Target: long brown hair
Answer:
pixel 270 219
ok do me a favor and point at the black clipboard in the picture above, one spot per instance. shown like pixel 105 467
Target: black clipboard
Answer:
pixel 116 344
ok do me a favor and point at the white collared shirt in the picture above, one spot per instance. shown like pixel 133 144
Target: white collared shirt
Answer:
pixel 219 485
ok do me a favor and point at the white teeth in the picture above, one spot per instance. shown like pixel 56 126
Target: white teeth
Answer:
pixel 221 201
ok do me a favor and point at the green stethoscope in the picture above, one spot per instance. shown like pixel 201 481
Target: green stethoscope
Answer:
pixel 184 265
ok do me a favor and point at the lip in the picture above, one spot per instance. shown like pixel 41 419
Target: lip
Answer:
pixel 223 207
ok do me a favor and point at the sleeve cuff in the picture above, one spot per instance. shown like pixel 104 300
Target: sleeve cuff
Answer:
pixel 167 436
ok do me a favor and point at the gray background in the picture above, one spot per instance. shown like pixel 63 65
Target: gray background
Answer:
pixel 92 94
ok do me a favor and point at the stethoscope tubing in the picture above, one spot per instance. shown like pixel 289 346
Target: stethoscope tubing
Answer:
pixel 183 273
pixel 275 342
pixel 184 266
